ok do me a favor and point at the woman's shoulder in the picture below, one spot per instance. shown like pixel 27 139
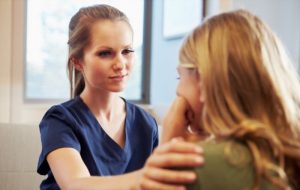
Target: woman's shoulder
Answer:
pixel 62 110
pixel 228 165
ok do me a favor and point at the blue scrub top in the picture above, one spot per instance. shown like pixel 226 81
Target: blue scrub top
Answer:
pixel 72 124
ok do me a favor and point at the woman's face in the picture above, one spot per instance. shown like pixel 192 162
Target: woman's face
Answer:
pixel 189 88
pixel 108 59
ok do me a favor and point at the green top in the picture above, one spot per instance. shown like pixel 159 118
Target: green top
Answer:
pixel 228 166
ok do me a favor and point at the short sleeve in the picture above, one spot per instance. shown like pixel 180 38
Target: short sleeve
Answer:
pixel 155 135
pixel 57 130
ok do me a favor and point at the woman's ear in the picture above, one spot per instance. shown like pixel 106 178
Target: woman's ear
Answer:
pixel 77 63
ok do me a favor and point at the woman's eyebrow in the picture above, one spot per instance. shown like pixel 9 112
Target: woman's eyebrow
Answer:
pixel 128 47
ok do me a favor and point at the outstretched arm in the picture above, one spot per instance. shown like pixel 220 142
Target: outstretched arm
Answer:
pixel 70 171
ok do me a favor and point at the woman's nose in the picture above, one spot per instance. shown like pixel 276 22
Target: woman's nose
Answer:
pixel 120 62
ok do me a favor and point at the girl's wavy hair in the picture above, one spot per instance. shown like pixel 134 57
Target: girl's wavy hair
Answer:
pixel 251 90
pixel 79 37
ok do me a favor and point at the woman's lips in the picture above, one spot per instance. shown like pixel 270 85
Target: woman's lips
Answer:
pixel 118 77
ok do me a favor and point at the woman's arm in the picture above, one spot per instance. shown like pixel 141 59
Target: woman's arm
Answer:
pixel 71 173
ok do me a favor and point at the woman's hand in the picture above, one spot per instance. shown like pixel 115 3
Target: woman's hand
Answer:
pixel 177 153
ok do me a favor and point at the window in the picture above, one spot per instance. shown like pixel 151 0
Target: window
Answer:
pixel 47 50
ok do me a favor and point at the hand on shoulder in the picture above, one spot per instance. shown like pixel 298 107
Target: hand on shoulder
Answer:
pixel 157 172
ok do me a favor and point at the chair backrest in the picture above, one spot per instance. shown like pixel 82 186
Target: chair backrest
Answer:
pixel 20 147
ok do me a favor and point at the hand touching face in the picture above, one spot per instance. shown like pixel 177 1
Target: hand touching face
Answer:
pixel 177 119
pixel 185 112
pixel 189 88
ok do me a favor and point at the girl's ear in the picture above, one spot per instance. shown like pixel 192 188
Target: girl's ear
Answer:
pixel 202 93
pixel 202 96
pixel 77 63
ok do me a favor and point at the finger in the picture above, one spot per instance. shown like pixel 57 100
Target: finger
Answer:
pixel 180 146
pixel 179 105
pixel 175 160
pixel 177 139
pixel 181 101
pixel 170 176
pixel 154 185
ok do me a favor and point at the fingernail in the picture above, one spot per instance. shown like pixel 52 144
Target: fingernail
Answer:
pixel 180 188
pixel 191 176
pixel 198 150
pixel 198 160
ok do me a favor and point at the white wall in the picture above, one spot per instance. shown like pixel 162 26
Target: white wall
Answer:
pixel 5 61
pixel 281 15
pixel 13 108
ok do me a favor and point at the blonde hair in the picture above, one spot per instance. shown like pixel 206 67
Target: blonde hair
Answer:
pixel 251 90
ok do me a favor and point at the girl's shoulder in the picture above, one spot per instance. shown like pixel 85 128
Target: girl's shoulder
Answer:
pixel 228 165
pixel 234 153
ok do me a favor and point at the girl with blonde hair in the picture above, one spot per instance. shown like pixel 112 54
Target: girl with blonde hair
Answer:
pixel 240 94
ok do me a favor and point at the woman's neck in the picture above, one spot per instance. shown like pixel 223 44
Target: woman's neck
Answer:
pixel 102 105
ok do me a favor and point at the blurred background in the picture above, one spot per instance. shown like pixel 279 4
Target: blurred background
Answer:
pixel 34 49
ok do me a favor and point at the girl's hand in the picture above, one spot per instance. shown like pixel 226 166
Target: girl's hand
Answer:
pixel 177 153
pixel 177 120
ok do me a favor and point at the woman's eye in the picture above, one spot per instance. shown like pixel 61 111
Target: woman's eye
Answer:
pixel 105 53
pixel 127 51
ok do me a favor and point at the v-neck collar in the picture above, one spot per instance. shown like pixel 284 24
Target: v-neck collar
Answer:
pixel 105 137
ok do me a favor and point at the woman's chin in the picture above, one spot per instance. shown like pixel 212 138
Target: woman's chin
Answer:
pixel 117 89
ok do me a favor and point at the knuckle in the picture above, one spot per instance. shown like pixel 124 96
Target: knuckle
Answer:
pixel 143 185
pixel 156 150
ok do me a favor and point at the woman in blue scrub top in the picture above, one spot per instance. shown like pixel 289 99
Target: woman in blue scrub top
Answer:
pixel 98 139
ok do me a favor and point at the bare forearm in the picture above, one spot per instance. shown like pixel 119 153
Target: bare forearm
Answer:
pixel 125 181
